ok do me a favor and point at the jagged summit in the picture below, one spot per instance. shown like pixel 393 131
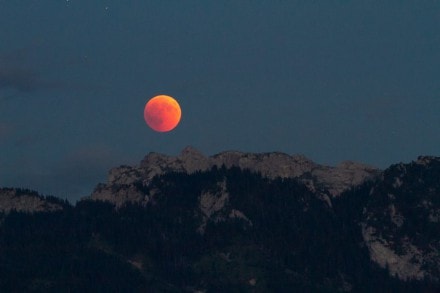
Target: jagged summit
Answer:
pixel 124 181
pixel 190 151
pixel 424 160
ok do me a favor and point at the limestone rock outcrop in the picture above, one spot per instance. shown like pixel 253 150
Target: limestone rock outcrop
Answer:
pixel 400 223
pixel 124 182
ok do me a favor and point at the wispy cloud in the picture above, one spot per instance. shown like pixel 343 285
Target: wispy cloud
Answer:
pixel 19 79
pixel 14 80
pixel 21 74
pixel 17 75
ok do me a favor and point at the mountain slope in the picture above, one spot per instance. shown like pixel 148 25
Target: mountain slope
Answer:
pixel 229 228
pixel 401 222
pixel 208 231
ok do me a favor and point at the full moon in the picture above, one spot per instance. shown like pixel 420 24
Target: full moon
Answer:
pixel 162 113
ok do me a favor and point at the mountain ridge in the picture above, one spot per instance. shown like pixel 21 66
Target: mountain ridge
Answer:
pixel 330 181
pixel 197 223
pixel 25 200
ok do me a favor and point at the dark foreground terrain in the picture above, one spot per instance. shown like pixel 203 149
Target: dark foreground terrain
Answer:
pixel 230 230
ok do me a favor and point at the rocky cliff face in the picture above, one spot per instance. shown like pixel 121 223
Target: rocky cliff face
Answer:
pixel 401 225
pixel 400 220
pixel 125 182
pixel 25 201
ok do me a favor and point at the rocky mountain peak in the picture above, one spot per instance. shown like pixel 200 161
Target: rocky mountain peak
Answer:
pixel 192 160
pixel 124 182
pixel 425 160
pixel 190 151
pixel 22 200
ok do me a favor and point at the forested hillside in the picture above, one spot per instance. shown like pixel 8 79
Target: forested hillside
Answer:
pixel 215 231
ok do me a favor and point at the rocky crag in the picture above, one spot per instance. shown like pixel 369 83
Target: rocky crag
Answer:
pixel 401 220
pixel 22 200
pixel 125 182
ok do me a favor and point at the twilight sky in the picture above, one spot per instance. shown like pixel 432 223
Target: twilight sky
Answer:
pixel 333 80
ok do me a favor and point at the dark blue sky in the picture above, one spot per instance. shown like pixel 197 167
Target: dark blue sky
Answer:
pixel 333 80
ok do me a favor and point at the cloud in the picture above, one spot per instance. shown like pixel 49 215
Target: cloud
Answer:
pixel 21 74
pixel 18 79
pixel 16 74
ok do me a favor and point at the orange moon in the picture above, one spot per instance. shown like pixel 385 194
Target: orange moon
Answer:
pixel 162 113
